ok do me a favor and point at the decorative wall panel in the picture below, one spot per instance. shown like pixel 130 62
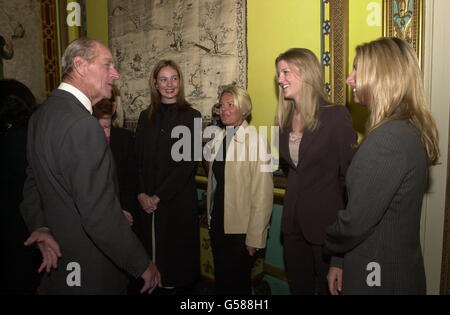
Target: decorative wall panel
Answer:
pixel 20 22
pixel 334 22
pixel 50 41
pixel 206 38
pixel 404 19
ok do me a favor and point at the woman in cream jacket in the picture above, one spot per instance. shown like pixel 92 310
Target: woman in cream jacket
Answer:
pixel 240 194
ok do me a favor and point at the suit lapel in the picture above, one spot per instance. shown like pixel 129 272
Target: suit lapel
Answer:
pixel 306 141
pixel 284 145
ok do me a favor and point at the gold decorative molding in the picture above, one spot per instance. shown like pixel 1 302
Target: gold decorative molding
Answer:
pixel 334 23
pixel 339 50
pixel 50 45
pixel 404 19
pixel 275 272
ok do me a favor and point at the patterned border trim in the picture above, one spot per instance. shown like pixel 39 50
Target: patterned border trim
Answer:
pixel 334 27
pixel 325 56
pixel 242 42
pixel 404 19
pixel 339 50
pixel 50 45
pixel 63 28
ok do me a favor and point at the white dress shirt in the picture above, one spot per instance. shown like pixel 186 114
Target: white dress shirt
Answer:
pixel 78 94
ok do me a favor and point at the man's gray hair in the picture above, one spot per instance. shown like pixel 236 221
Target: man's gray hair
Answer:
pixel 81 47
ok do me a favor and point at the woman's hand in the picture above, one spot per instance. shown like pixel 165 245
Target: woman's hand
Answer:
pixel 128 216
pixel 252 250
pixel 146 203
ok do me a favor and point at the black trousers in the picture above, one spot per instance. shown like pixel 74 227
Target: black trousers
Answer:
pixel 232 264
pixel 306 263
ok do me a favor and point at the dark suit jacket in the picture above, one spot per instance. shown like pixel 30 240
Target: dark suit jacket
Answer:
pixel 315 189
pixel 381 223
pixel 71 190
pixel 123 150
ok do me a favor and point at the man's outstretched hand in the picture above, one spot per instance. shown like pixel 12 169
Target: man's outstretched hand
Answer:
pixel 48 246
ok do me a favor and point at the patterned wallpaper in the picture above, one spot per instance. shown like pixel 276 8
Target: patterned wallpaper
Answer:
pixel 20 21
pixel 206 38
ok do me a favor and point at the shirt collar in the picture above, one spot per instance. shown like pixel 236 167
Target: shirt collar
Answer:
pixel 78 94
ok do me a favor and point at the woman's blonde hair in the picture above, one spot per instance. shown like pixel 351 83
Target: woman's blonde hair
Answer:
pixel 155 96
pixel 312 94
pixel 389 82
pixel 241 97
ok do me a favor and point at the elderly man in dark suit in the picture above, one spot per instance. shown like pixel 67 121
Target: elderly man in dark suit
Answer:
pixel 70 196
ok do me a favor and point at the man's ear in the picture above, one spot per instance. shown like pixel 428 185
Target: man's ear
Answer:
pixel 79 65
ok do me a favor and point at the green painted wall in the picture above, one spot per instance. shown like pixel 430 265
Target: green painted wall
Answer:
pixel 274 27
pixel 365 24
pixel 97 19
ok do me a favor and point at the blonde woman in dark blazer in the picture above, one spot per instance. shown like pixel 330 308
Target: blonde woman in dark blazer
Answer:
pixel 377 236
pixel 316 139
pixel 240 194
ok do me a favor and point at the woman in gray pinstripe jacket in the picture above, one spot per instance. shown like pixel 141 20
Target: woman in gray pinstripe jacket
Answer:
pixel 375 240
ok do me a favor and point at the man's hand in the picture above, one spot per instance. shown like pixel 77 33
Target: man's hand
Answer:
pixel 335 280
pixel 151 277
pixel 48 246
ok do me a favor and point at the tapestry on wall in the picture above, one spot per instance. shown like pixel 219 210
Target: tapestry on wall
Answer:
pixel 21 44
pixel 206 38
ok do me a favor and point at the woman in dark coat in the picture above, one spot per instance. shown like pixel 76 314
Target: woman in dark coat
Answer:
pixel 18 264
pixel 167 192
pixel 121 143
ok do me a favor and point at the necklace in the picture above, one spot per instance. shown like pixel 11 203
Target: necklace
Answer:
pixel 295 138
